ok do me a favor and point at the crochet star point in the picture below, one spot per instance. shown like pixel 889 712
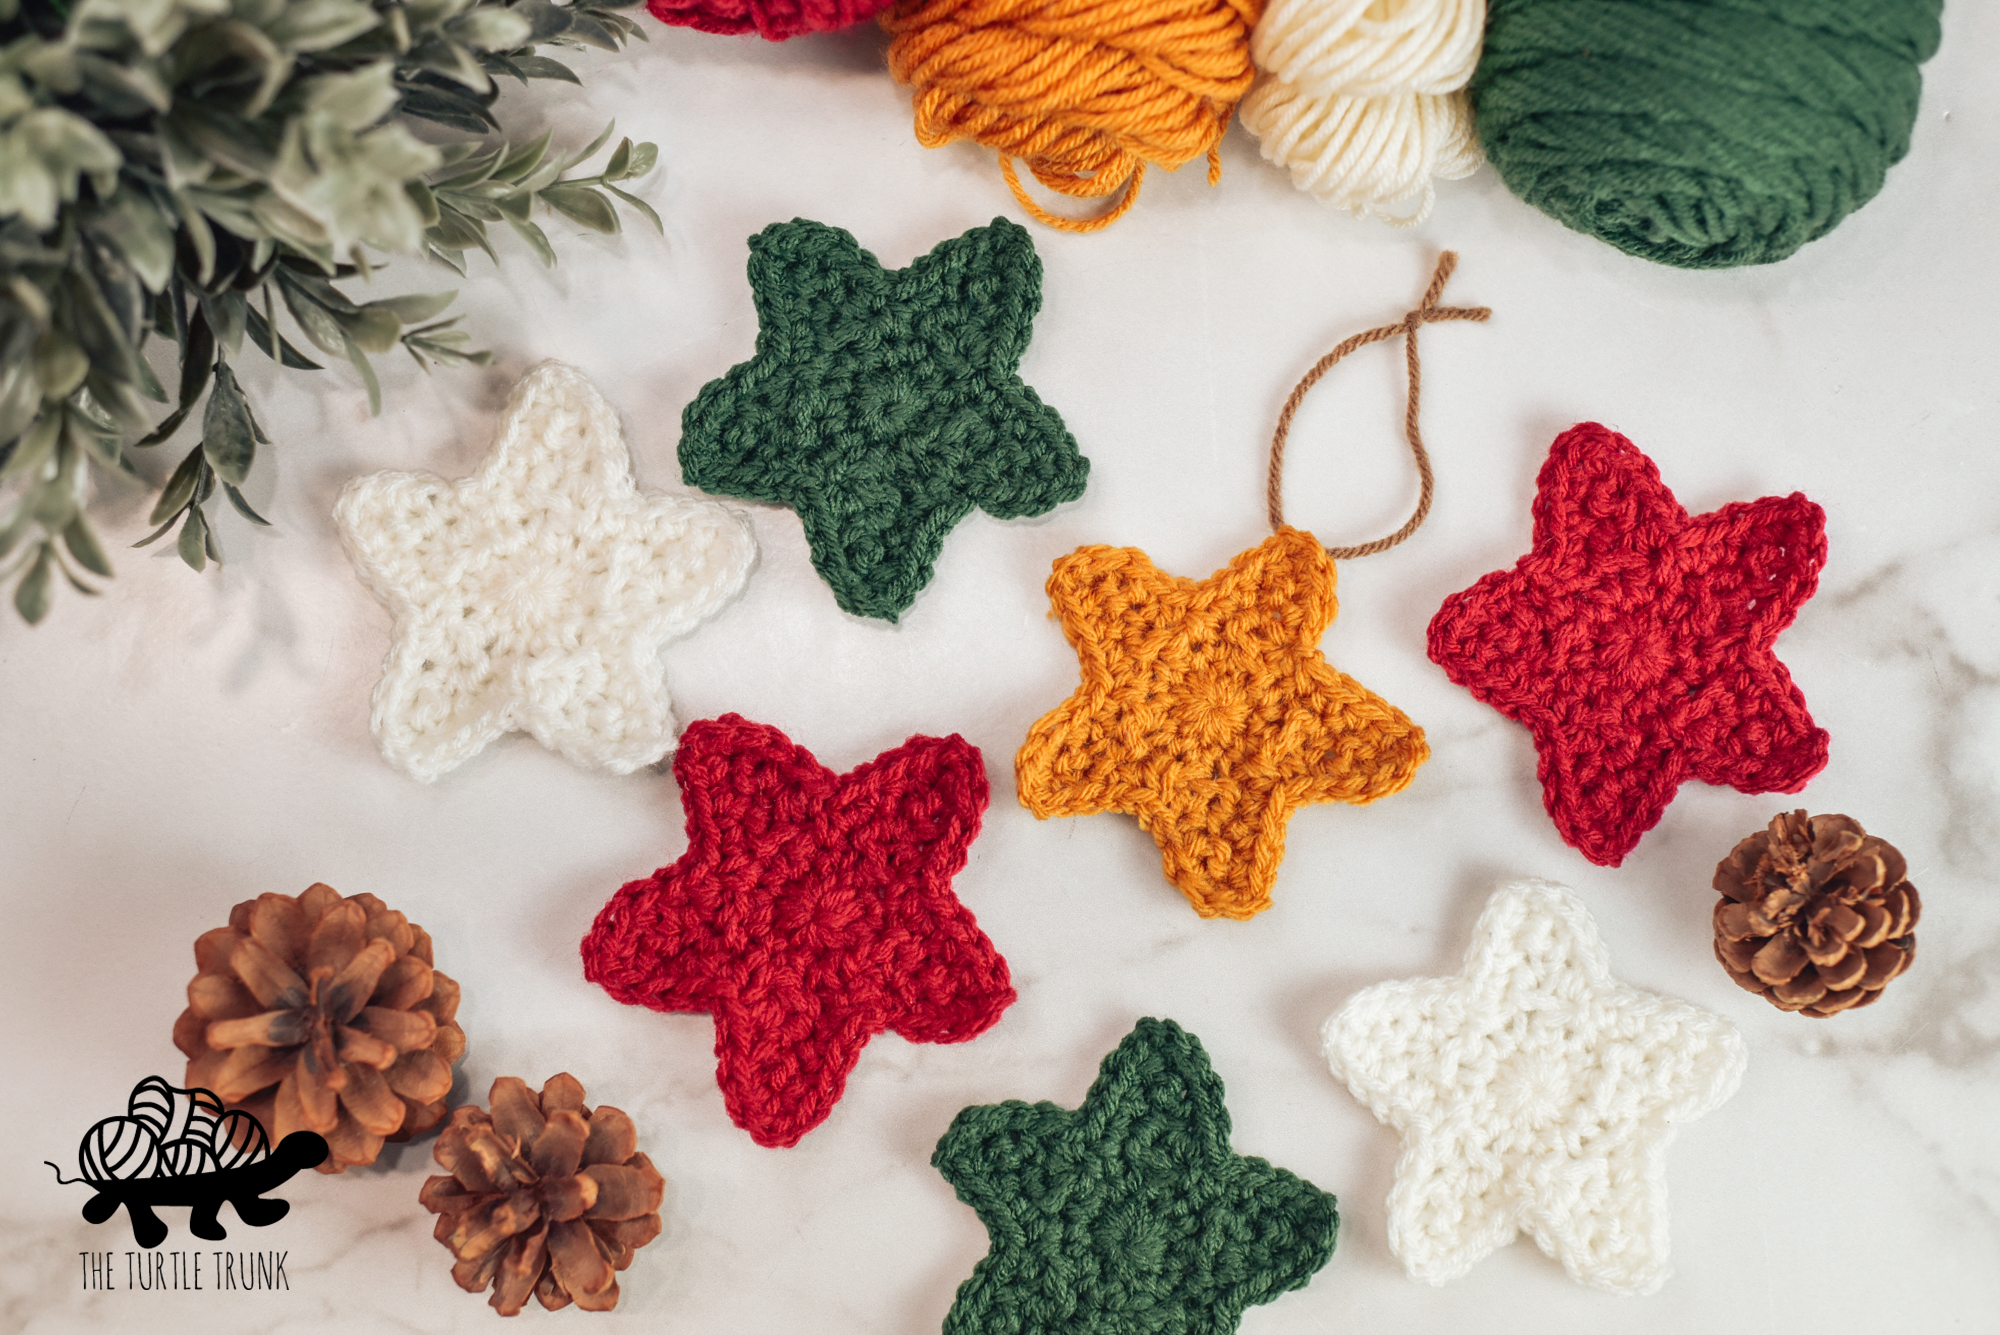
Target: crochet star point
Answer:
pixel 1207 711
pixel 884 405
pixel 1635 642
pixel 536 594
pixel 810 912
pixel 1534 1093
pixel 1131 1212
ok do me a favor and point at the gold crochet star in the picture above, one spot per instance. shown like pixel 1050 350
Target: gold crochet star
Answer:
pixel 1208 712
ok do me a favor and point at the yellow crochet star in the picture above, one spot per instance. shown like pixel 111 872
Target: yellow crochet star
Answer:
pixel 1208 712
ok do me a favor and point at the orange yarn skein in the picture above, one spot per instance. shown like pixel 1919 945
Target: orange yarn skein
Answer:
pixel 1086 92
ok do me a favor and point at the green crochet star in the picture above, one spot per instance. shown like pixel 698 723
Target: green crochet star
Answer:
pixel 884 405
pixel 1131 1214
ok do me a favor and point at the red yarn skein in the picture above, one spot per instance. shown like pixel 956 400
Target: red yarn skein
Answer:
pixel 775 20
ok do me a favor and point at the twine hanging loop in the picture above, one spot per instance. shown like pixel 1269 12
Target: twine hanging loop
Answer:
pixel 1427 312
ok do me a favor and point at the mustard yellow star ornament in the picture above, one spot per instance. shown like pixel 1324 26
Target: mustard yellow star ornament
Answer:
pixel 1207 711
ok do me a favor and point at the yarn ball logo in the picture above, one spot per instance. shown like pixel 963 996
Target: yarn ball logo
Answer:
pixel 180 1147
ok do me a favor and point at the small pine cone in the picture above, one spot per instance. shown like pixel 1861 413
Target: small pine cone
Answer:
pixel 1815 914
pixel 318 1013
pixel 543 1196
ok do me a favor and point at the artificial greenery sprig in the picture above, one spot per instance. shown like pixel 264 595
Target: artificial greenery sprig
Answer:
pixel 184 168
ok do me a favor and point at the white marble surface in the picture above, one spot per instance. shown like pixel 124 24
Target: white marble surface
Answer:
pixel 184 743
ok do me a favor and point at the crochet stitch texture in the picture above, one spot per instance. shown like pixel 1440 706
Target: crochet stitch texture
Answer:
pixel 1635 642
pixel 883 406
pixel 811 911
pixel 537 594
pixel 1131 1213
pixel 1532 1091
pixel 1207 711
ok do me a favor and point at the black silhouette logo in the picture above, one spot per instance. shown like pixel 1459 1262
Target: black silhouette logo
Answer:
pixel 179 1147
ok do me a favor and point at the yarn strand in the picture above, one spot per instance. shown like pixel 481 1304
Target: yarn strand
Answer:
pixel 1427 312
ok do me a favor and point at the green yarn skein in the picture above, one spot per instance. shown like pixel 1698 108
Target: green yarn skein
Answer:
pixel 1701 133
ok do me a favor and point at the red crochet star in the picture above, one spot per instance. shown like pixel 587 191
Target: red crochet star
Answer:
pixel 1635 642
pixel 811 911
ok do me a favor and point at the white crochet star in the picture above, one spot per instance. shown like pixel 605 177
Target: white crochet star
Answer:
pixel 1533 1091
pixel 537 594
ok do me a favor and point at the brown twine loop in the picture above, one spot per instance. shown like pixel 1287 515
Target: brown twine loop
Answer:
pixel 1427 312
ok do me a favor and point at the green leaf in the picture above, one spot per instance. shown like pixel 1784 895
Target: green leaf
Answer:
pixel 427 205
pixel 621 158
pixel 643 158
pixel 197 364
pixel 321 25
pixel 134 224
pixel 355 99
pixel 122 90
pixel 523 160
pixel 313 318
pixel 157 533
pixel 452 110
pixel 603 138
pixel 640 205
pixel 417 307
pixel 83 545
pixel 244 147
pixel 59 363
pixel 179 490
pixel 373 328
pixel 453 62
pixel 35 448
pixel 592 30
pixel 360 360
pixel 584 205
pixel 149 383
pixel 264 336
pixel 199 237
pixel 194 542
pixel 228 437
pixel 516 207
pixel 537 238
pixel 20 399
pixel 97 328
pixel 454 258
pixel 541 67
pixel 491 29
pixel 233 49
pixel 99 445
pixel 227 314
pixel 31 595
pixel 545 20
pixel 243 506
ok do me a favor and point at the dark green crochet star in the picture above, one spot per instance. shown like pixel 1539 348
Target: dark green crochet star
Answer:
pixel 1131 1214
pixel 883 406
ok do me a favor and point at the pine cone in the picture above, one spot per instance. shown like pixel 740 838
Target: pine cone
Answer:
pixel 1815 914
pixel 319 1013
pixel 543 1196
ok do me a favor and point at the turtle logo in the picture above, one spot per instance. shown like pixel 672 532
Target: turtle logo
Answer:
pixel 180 1147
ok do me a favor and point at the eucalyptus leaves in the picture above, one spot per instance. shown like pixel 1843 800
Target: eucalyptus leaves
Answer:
pixel 184 168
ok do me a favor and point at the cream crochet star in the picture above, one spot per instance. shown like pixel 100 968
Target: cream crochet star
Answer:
pixel 536 594
pixel 1533 1091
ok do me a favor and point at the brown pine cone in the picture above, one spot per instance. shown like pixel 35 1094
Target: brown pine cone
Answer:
pixel 543 1195
pixel 319 1013
pixel 1815 914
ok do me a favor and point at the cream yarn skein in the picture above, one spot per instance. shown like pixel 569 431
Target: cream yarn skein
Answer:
pixel 1374 156
pixel 1362 48
pixel 1363 101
